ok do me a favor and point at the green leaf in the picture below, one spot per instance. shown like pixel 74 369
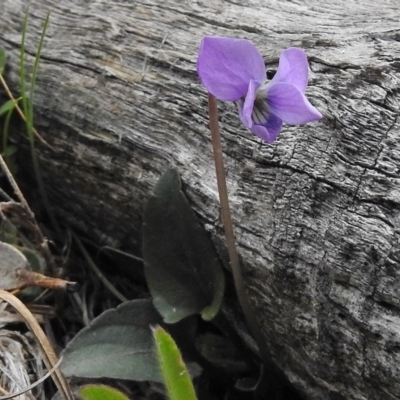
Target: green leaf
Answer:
pixel 7 107
pixel 3 59
pixel 12 261
pixel 118 344
pixel 176 376
pixel 36 261
pixel 221 352
pixel 182 267
pixel 8 232
pixel 101 392
pixel 9 151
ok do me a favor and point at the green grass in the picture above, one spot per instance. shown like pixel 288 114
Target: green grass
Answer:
pixel 27 106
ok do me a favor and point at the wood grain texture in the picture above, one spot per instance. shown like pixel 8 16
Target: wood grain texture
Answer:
pixel 317 213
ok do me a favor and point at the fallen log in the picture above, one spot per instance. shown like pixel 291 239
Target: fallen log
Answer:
pixel 317 213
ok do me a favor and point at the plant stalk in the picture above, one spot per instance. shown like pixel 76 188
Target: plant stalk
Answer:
pixel 230 236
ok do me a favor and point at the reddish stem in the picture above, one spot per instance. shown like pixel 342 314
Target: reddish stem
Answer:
pixel 230 236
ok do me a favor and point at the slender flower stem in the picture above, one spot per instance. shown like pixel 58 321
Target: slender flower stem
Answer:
pixel 230 236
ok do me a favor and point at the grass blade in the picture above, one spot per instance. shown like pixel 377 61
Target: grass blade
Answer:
pixel 7 107
pixel 33 79
pixel 3 59
pixel 22 67
pixel 176 376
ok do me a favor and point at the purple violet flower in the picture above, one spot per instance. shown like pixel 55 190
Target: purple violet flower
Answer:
pixel 234 70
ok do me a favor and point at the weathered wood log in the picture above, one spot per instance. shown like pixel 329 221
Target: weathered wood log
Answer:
pixel 317 213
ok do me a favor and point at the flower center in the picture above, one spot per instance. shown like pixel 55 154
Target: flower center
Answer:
pixel 260 109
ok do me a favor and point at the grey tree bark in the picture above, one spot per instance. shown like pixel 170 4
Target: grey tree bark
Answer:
pixel 317 213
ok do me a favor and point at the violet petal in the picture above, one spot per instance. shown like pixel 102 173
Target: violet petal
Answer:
pixel 226 66
pixel 246 110
pixel 270 130
pixel 293 68
pixel 288 103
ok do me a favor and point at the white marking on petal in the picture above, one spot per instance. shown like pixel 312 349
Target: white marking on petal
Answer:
pixel 260 111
